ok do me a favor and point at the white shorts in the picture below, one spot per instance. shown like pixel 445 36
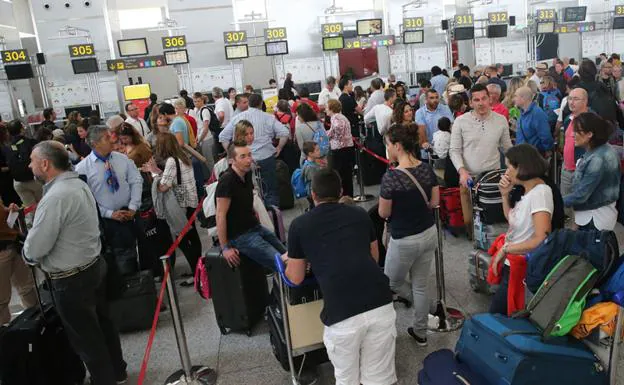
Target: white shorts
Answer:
pixel 361 348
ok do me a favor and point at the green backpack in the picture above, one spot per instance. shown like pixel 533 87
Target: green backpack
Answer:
pixel 559 302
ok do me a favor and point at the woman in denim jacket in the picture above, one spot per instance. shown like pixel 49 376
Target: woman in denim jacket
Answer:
pixel 596 184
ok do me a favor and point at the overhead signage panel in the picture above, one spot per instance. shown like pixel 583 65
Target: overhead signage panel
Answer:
pixel 136 63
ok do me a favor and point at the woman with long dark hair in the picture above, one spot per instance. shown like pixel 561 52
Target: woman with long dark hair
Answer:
pixel 178 167
pixel 409 191
pixel 403 113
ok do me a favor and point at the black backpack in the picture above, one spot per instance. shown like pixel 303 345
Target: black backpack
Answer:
pixel 215 124
pixel 18 158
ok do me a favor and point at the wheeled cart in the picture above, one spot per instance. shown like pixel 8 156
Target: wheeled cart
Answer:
pixel 295 325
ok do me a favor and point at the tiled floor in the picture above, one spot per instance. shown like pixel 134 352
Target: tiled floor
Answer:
pixel 239 359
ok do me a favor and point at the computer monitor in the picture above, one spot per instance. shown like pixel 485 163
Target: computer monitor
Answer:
pixel 367 27
pixel 546 27
pixel 233 52
pixel 496 31
pixel 273 48
pixel 176 57
pixel 333 43
pixel 574 14
pixel 464 33
pixel 413 37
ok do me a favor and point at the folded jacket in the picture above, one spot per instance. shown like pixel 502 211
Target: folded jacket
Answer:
pixel 517 273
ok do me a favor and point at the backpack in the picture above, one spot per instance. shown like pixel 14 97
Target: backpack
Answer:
pixel 202 283
pixel 600 248
pixel 559 302
pixel 18 158
pixel 214 125
pixel 320 137
pixel 298 184
pixel 549 101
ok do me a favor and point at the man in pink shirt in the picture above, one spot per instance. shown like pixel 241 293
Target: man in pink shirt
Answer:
pixel 495 100
pixel 577 101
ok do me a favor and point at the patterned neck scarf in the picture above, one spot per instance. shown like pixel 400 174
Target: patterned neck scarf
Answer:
pixel 111 178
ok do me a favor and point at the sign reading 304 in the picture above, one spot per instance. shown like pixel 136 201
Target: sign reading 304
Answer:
pixel 275 33
pixel 81 50
pixel 174 42
pixel 15 56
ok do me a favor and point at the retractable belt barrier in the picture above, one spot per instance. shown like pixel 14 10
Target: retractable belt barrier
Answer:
pixel 189 374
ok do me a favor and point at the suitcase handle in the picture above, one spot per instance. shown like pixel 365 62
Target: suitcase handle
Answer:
pixel 501 357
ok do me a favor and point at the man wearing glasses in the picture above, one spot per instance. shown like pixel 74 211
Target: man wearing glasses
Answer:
pixel 137 122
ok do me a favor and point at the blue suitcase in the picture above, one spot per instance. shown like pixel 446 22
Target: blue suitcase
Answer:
pixel 442 368
pixel 511 351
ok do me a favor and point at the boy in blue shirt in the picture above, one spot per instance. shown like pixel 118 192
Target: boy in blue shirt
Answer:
pixel 311 165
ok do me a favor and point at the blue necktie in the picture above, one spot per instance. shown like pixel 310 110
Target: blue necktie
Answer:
pixel 111 178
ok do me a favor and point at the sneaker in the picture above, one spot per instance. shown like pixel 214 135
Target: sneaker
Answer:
pixel 419 341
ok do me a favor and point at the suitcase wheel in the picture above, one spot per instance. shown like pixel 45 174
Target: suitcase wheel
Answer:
pixel 224 330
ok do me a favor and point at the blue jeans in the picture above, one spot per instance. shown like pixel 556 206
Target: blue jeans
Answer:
pixel 259 245
pixel 269 181
pixel 499 300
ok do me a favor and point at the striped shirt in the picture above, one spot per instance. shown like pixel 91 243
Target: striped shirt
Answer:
pixel 266 127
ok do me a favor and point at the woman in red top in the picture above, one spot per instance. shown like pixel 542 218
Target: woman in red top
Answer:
pixel 341 144
pixel 284 116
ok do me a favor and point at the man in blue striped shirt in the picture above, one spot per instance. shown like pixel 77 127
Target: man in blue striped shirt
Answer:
pixel 266 128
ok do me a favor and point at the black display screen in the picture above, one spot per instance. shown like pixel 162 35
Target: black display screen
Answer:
pixel 618 23
pixel 574 14
pixel 498 30
pixel 464 33
pixel 19 71
pixel 85 66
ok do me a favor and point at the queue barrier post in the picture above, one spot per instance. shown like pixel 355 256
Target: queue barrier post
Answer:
pixel 449 318
pixel 363 197
pixel 188 375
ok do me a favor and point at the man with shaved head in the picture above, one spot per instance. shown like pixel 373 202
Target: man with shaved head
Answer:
pixel 577 101
pixel 65 242
pixel 533 126
pixel 495 100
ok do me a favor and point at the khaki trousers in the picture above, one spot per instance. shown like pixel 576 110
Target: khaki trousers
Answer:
pixel 14 272
pixel 466 203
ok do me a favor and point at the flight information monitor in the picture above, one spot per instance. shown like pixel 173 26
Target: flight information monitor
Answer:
pixel 574 14
pixel 176 57
pixel 333 43
pixel 273 48
pixel 132 47
pixel 464 33
pixel 85 66
pixel 233 52
pixel 413 37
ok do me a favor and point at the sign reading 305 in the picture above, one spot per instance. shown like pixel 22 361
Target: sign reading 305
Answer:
pixel 81 50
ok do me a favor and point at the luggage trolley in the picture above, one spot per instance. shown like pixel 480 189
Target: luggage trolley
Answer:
pixel 302 329
pixel 606 348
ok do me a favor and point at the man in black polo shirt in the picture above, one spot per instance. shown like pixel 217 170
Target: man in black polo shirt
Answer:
pixel 340 243
pixel 350 108
pixel 237 226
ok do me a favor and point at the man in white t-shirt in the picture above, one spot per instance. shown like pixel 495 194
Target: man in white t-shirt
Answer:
pixel 201 114
pixel 223 107
pixel 382 113
pixel 133 118
pixel 328 93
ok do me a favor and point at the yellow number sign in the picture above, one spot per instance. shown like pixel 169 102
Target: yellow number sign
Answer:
pixel 174 42
pixel 619 10
pixel 413 23
pixel 497 17
pixel 546 14
pixel 14 56
pixel 80 50
pixel 275 33
pixel 234 37
pixel 331 29
pixel 464 20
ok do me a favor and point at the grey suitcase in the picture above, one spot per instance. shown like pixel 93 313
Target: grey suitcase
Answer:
pixel 478 264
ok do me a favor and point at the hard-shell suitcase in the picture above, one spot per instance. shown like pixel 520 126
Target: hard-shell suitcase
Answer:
pixel 478 265
pixel 372 168
pixel 442 368
pixel 511 351
pixel 239 294
pixel 278 223
pixel 134 310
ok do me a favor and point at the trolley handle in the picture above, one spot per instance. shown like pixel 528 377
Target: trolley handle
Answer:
pixel 281 269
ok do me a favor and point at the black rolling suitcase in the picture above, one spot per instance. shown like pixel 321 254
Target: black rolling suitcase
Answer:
pixel 284 188
pixel 134 310
pixel 239 295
